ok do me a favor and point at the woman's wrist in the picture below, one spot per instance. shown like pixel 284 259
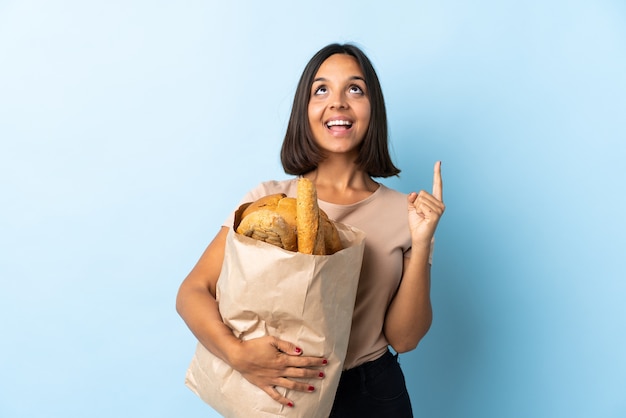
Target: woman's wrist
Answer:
pixel 422 246
pixel 421 252
pixel 229 348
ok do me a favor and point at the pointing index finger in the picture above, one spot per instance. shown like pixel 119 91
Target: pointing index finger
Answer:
pixel 437 182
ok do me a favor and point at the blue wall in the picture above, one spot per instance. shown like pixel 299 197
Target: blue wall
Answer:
pixel 129 129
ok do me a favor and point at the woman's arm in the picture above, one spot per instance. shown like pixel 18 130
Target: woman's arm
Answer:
pixel 410 314
pixel 266 362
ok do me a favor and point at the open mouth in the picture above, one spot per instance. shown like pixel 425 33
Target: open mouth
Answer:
pixel 339 125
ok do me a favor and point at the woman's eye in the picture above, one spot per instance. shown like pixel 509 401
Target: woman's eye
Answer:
pixel 356 89
pixel 320 90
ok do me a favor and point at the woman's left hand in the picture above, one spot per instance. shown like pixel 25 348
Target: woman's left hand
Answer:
pixel 425 210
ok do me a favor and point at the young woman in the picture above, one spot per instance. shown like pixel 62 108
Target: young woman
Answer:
pixel 337 137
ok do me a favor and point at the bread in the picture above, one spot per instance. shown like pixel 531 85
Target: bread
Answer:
pixel 271 219
pixel 308 218
pixel 295 224
pixel 332 242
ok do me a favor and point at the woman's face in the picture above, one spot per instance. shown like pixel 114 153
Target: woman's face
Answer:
pixel 339 108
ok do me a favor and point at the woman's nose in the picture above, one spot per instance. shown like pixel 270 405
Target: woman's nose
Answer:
pixel 338 101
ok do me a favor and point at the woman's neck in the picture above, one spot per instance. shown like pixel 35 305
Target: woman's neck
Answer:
pixel 341 183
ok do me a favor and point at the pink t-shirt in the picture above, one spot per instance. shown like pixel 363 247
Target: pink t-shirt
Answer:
pixel 383 218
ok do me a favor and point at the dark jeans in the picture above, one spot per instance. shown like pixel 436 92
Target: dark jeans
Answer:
pixel 373 390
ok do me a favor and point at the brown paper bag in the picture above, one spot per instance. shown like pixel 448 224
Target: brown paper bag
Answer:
pixel 304 299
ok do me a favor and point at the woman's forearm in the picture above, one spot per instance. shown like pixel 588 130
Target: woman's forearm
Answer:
pixel 197 305
pixel 199 310
pixel 410 314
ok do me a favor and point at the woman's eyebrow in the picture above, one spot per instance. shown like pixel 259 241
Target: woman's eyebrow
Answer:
pixel 354 77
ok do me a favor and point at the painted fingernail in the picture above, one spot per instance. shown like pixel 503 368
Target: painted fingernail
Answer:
pixel 321 374
pixel 324 361
pixel 298 350
pixel 290 405
pixel 311 388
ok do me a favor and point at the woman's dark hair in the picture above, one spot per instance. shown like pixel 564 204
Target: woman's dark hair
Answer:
pixel 300 154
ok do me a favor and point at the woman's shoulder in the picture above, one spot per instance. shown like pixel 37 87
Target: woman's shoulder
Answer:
pixel 389 193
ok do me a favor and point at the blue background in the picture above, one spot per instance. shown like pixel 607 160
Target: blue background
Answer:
pixel 129 130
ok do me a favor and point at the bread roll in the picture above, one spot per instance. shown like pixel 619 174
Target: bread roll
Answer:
pixel 271 219
pixel 268 226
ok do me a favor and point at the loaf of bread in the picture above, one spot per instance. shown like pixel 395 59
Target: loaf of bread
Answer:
pixel 295 224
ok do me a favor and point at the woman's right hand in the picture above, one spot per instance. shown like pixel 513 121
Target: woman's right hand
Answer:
pixel 268 362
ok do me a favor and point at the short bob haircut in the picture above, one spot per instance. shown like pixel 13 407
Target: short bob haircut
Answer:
pixel 300 154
